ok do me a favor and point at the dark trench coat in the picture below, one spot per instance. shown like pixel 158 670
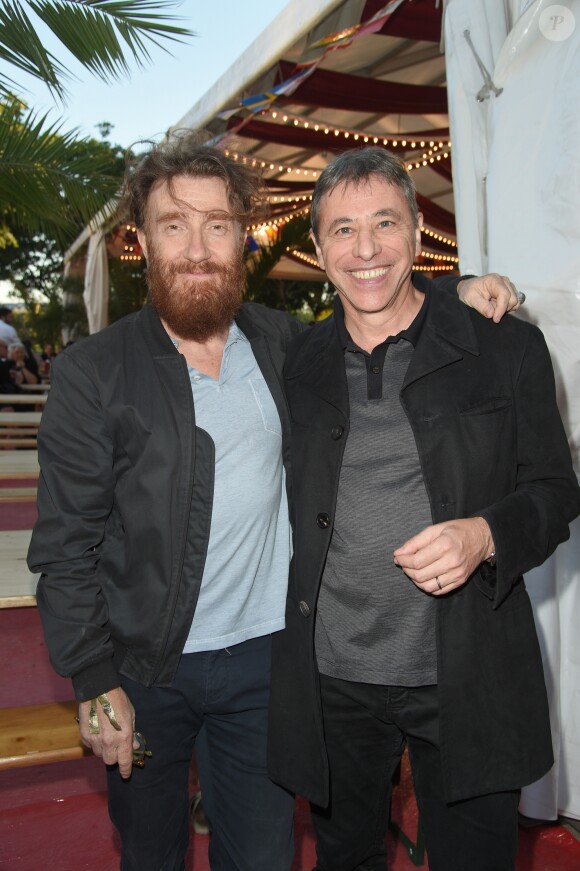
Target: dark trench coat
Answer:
pixel 481 402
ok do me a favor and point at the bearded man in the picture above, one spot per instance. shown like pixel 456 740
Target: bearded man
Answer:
pixel 163 536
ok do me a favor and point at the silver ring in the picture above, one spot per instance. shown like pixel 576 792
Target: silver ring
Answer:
pixel 521 296
pixel 438 582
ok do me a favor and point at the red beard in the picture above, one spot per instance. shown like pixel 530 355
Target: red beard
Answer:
pixel 195 309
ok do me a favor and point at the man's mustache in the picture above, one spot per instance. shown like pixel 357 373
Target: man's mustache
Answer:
pixel 208 268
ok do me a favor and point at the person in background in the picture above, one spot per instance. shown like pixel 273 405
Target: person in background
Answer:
pixel 47 358
pixel 48 353
pixel 7 331
pixel 25 365
pixel 430 471
pixel 7 378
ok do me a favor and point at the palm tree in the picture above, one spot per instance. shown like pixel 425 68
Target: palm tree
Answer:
pixel 49 180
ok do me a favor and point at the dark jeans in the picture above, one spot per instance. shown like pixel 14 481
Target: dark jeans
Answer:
pixel 220 698
pixel 366 727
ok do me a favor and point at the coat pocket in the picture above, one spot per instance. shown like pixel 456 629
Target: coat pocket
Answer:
pixel 492 405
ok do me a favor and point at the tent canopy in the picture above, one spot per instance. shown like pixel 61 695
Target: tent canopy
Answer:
pixel 386 86
pixel 328 75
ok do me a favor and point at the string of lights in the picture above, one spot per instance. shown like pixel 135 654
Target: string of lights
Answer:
pixel 264 164
pixel 433 234
pixel 417 268
pixel 428 157
pixel 447 257
pixel 131 251
pixel 405 140
pixel 285 219
pixel 309 260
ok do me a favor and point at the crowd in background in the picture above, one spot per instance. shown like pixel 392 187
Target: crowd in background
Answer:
pixel 20 363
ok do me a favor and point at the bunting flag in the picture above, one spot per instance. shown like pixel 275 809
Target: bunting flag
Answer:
pixel 345 37
pixel 261 101
pixel 342 39
pixel 251 244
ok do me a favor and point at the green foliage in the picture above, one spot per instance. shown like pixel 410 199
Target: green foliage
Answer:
pixel 99 34
pixel 306 299
pixel 50 302
pixel 127 287
pixel 50 180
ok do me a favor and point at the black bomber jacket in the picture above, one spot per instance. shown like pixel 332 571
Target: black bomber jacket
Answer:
pixel 125 478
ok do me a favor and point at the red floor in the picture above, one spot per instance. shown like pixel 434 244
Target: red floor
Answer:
pixel 54 817
pixel 17 515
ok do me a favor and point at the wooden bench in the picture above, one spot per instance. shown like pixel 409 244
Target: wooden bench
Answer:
pixel 39 734
pixel 17 582
pixel 21 418
pixel 18 464
pixel 23 399
pixel 19 429
pixel 36 388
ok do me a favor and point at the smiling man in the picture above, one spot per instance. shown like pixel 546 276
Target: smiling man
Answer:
pixel 430 470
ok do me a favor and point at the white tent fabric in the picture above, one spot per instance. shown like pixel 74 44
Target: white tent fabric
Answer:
pixel 96 292
pixel 516 168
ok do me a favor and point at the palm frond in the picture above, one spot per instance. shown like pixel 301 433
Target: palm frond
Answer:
pixel 99 32
pixel 21 47
pixel 50 181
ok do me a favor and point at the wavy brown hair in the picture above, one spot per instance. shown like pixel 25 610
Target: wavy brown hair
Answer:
pixel 187 153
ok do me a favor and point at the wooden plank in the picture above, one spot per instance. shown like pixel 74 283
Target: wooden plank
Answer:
pixel 39 734
pixel 16 579
pixel 19 464
pixel 18 602
pixel 20 418
pixel 32 388
pixel 19 399
pixel 17 494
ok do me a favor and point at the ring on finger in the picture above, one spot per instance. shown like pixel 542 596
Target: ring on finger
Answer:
pixel 438 582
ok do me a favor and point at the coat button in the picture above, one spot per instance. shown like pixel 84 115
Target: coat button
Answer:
pixel 336 432
pixel 323 520
pixel 304 609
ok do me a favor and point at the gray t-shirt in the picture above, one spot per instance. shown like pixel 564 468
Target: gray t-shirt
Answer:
pixel 373 624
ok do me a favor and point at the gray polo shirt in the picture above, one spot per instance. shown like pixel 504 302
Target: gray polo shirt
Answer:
pixel 373 624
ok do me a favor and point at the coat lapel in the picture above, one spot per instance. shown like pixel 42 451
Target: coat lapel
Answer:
pixel 319 366
pixel 446 336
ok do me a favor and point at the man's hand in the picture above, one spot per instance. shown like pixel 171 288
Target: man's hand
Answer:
pixel 112 745
pixel 491 295
pixel 442 557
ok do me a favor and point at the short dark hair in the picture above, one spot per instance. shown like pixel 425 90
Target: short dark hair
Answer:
pixel 5 311
pixel 188 153
pixel 358 166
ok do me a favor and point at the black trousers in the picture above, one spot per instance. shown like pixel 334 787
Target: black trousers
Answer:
pixel 366 727
pixel 218 702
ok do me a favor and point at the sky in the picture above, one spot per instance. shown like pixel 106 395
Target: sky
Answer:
pixel 156 97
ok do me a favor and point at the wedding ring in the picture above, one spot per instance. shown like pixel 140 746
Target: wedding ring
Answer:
pixel 438 582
